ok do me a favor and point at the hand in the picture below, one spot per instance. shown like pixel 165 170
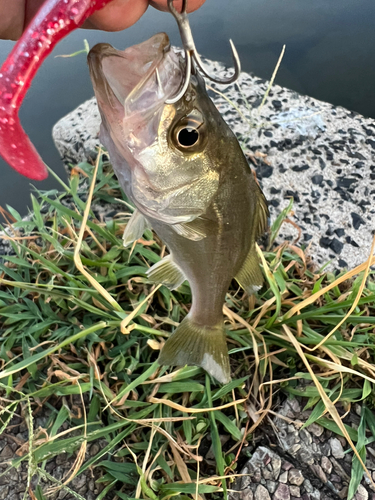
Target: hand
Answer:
pixel 116 16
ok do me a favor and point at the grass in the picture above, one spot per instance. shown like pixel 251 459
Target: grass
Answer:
pixel 81 328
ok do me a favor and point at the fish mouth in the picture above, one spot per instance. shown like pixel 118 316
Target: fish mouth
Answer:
pixel 132 85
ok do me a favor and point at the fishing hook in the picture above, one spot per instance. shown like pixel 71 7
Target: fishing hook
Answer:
pixel 192 57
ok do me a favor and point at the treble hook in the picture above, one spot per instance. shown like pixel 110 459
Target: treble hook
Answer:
pixel 191 53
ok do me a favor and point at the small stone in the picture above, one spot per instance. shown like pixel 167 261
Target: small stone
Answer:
pixel 267 472
pixel 337 467
pixel 305 436
pixel 94 449
pixel 257 476
pixel 295 477
pixel 315 429
pixel 357 220
pixel 261 493
pixel 326 465
pixel 318 471
pixel 361 493
pixel 276 466
pixel 13 475
pixel 343 440
pixel 287 466
pixel 308 486
pixel 305 456
pixel 247 495
pixel 283 478
pixel 294 449
pixel 343 493
pixel 315 495
pixel 317 179
pixel 325 242
pixel 271 486
pixel 6 452
pixel 335 478
pixel 336 245
pixel 292 408
pixel 294 491
pixel 62 459
pixel 336 448
pixel 325 448
pixel 4 490
pixel 282 492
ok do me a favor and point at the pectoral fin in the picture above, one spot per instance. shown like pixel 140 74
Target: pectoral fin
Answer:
pixel 250 277
pixel 166 272
pixel 194 230
pixel 135 228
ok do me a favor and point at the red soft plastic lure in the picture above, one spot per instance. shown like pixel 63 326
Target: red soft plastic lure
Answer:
pixel 54 20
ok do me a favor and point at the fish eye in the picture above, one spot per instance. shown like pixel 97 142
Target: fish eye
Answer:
pixel 189 134
pixel 188 137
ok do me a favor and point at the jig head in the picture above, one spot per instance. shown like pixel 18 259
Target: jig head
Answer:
pixel 54 20
pixel 192 58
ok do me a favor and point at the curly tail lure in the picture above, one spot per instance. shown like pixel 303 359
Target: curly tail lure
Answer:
pixel 54 20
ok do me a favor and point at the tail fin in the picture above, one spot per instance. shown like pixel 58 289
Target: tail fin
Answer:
pixel 193 344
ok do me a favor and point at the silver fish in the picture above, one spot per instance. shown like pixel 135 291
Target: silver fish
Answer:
pixel 182 167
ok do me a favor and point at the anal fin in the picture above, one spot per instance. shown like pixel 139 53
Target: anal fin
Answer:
pixel 250 277
pixel 166 272
pixel 135 228
pixel 199 345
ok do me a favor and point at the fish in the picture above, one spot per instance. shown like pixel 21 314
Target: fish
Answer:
pixel 183 169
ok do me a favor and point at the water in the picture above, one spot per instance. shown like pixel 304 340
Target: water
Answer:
pixel 330 55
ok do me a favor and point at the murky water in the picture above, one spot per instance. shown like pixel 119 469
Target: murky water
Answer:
pixel 330 55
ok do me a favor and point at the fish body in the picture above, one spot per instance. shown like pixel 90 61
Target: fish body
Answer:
pixel 182 167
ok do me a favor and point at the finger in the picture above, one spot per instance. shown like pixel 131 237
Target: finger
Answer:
pixel 117 15
pixel 12 19
pixel 163 5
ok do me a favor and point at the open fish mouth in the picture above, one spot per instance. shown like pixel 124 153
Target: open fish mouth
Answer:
pixel 132 85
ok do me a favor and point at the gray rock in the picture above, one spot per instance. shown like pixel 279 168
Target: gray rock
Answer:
pixel 276 466
pixel 305 436
pixel 4 490
pixel 261 493
pixel 308 486
pixel 283 478
pixel 361 493
pixel 318 471
pixel 336 448
pixel 294 491
pixel 315 495
pixel 282 492
pixel 271 486
pixel 6 452
pixel 295 477
pixel 326 465
pixel 315 429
